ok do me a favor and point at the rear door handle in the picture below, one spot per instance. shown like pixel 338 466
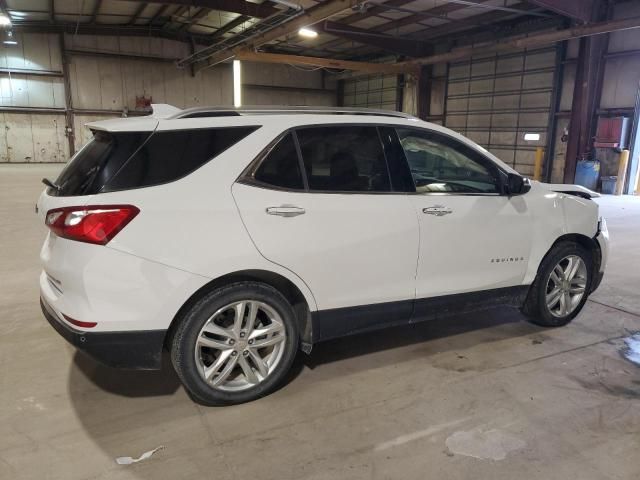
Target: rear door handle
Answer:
pixel 437 210
pixel 286 211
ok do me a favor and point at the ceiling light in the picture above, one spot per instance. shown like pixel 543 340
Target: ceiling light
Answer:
pixel 237 84
pixel 10 40
pixel 532 137
pixel 4 20
pixel 307 32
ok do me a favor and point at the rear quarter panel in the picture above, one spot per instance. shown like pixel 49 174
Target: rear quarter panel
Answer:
pixel 193 223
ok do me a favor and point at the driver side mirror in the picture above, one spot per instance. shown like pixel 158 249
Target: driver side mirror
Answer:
pixel 517 184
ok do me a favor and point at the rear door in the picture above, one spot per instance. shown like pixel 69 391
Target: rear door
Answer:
pixel 321 203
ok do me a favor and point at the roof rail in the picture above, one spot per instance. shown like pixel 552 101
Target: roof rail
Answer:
pixel 199 112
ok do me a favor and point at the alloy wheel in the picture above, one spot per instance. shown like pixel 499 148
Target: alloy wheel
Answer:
pixel 240 345
pixel 566 286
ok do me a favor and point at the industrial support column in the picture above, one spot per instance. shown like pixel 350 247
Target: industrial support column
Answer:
pixel 423 91
pixel 68 100
pixel 586 96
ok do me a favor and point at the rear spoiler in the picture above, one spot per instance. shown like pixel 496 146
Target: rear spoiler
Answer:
pixel 164 110
pixel 577 190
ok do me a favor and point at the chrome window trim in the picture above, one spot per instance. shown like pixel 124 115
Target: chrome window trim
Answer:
pixel 247 175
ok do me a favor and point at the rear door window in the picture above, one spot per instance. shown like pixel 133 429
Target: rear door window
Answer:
pixel 344 159
pixel 281 167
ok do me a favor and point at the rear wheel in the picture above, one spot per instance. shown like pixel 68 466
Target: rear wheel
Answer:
pixel 236 344
pixel 561 287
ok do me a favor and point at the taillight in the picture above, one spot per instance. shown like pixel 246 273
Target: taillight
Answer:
pixel 91 224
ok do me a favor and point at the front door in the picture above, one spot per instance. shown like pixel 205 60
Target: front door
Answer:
pixel 472 238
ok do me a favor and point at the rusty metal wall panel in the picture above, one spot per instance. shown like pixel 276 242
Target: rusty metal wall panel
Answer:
pixel 32 138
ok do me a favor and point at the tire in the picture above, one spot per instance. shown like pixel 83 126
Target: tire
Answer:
pixel 536 307
pixel 209 339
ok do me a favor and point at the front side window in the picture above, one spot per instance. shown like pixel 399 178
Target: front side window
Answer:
pixel 344 159
pixel 440 164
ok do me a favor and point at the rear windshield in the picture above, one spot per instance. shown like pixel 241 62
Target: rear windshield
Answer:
pixel 124 160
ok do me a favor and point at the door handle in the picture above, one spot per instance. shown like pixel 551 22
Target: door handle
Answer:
pixel 285 211
pixel 437 210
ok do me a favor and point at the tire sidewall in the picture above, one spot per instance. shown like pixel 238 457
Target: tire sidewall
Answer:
pixel 549 264
pixel 183 345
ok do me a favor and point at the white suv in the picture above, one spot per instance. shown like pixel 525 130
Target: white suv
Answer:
pixel 233 238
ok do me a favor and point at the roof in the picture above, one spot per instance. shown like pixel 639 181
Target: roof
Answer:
pixel 278 119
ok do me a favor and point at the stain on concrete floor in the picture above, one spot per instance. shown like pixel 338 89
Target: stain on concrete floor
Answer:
pixel 492 444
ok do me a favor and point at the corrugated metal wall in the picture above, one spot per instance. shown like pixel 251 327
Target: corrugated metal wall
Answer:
pixel 495 100
pixel 102 86
pixel 373 91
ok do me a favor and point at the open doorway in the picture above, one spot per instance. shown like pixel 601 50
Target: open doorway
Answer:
pixel 633 169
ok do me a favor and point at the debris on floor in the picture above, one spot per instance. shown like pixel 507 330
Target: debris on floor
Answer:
pixel 631 351
pixel 144 456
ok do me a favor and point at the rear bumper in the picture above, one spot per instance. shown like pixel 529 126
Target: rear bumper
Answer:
pixel 139 350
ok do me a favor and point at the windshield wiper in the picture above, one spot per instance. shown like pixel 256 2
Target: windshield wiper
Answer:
pixel 49 183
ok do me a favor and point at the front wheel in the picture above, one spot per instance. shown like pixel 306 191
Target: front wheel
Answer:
pixel 236 344
pixel 561 287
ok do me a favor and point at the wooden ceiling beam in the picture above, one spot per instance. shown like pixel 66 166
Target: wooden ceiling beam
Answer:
pixel 363 67
pixel 311 16
pixel 413 66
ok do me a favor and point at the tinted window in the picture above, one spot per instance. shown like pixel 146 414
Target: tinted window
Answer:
pixel 442 164
pixel 281 167
pixel 168 156
pixel 344 158
pixel 401 179
pixel 97 162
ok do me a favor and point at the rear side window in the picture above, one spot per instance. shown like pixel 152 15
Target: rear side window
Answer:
pixel 122 160
pixel 281 167
pixel 344 158
pixel 170 155
pixel 91 168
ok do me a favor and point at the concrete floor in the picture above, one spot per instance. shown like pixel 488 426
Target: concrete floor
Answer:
pixel 484 396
